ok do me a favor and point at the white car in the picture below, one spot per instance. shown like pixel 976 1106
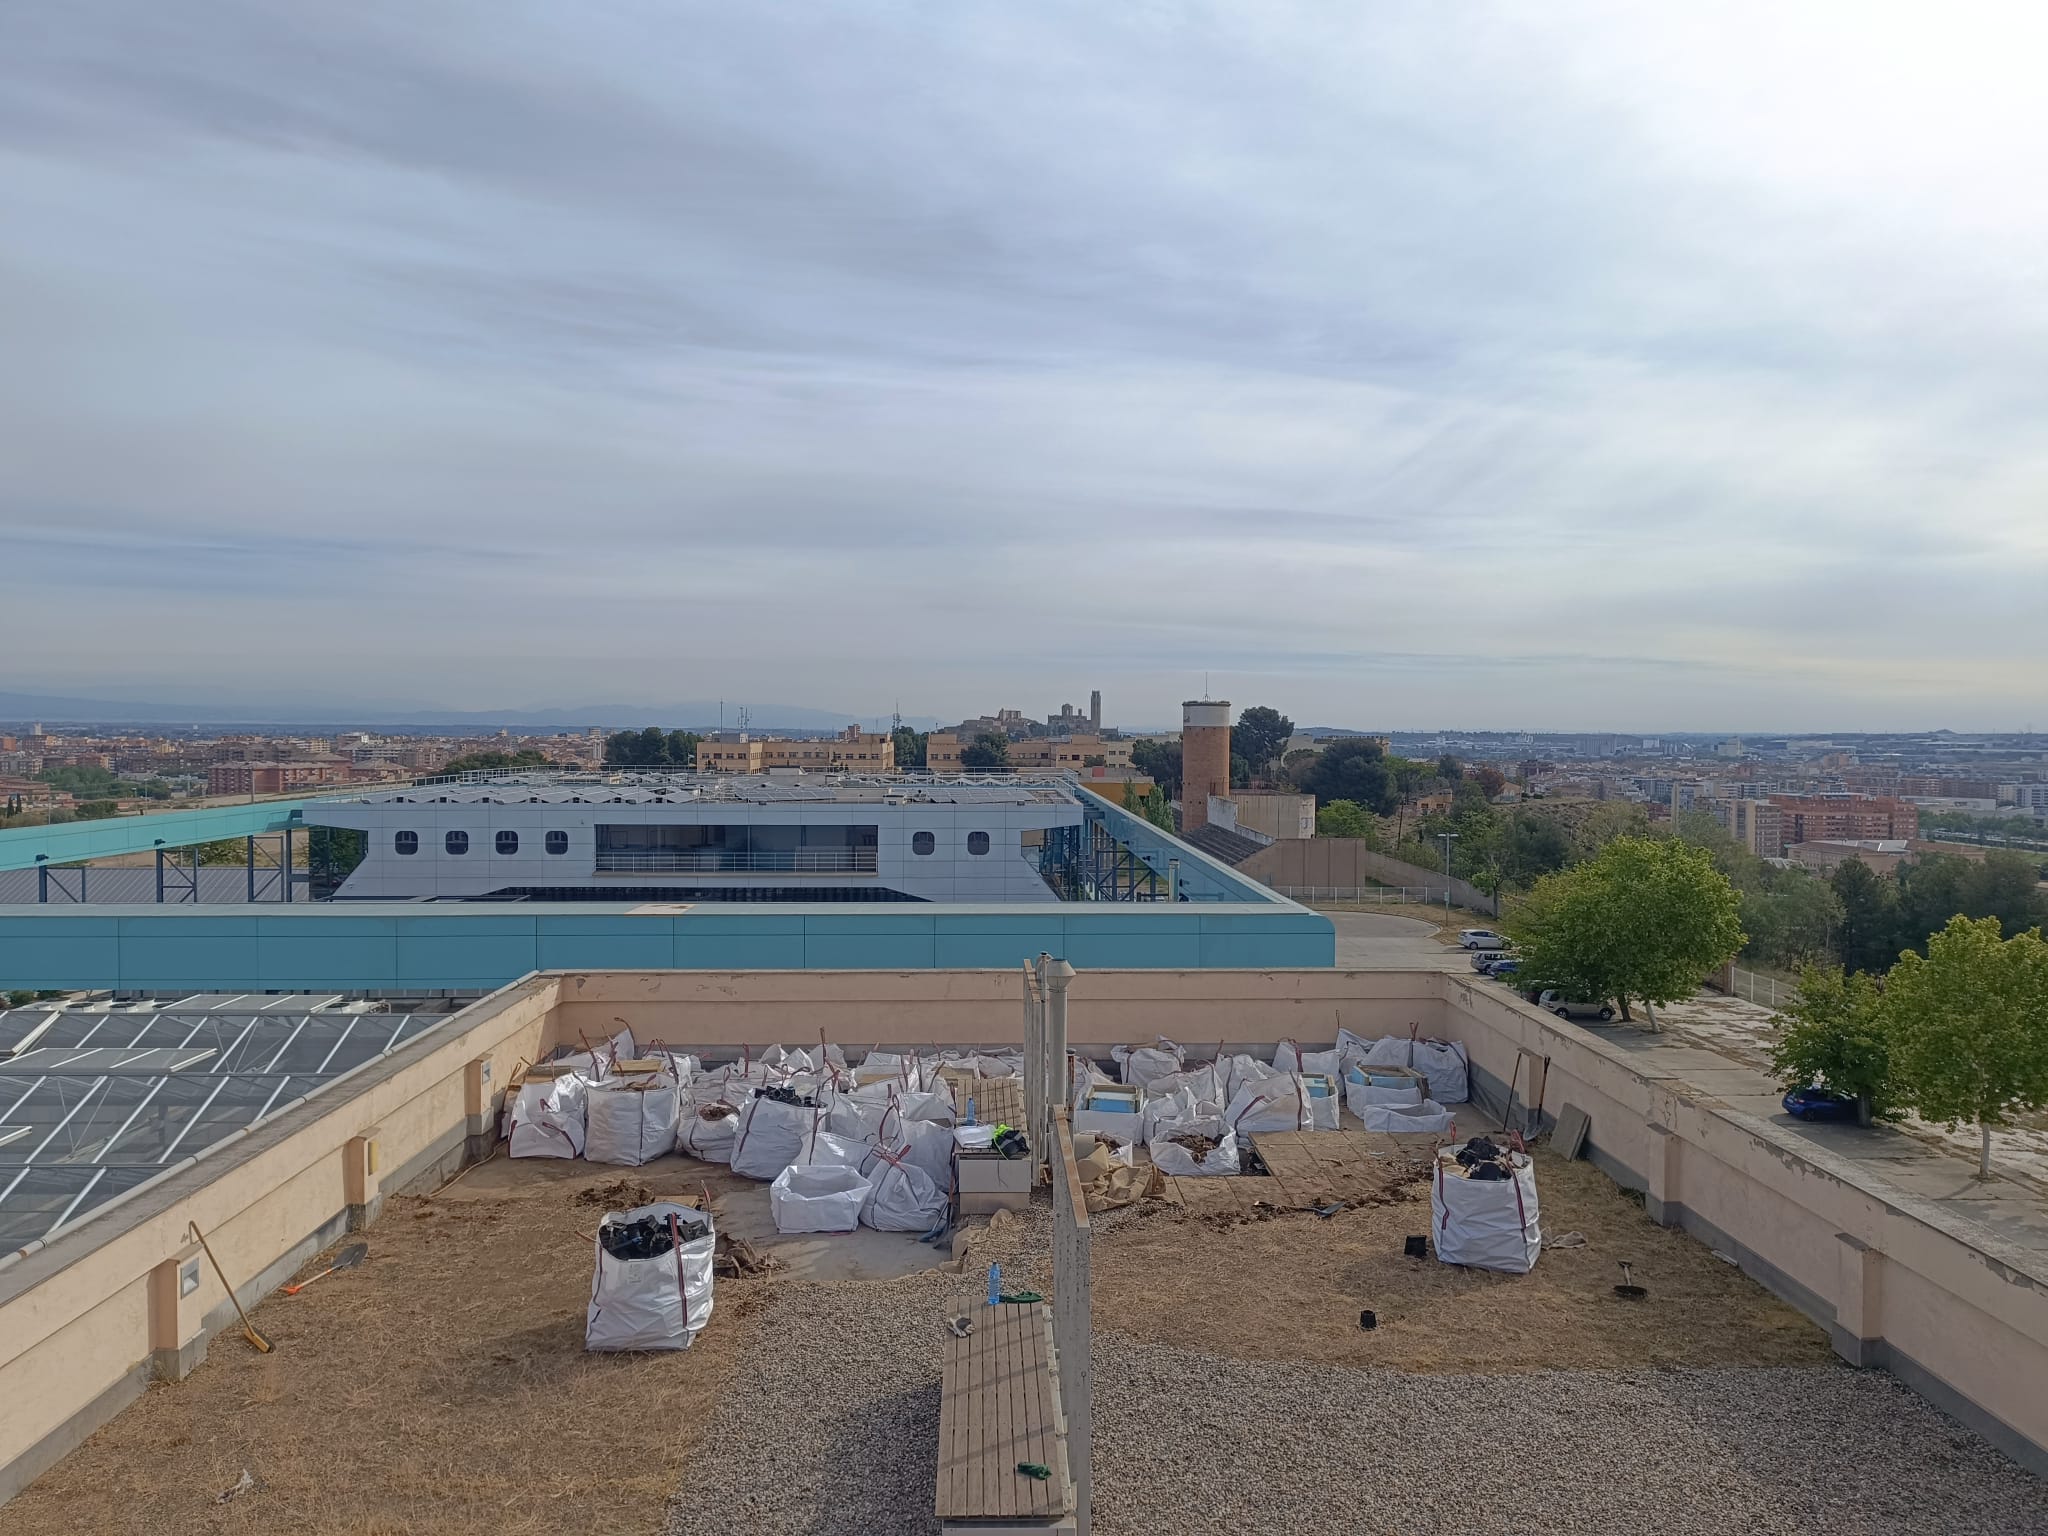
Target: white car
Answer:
pixel 1569 1008
pixel 1482 938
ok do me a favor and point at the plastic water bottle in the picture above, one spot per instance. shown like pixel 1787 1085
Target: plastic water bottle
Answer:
pixel 970 1110
pixel 995 1284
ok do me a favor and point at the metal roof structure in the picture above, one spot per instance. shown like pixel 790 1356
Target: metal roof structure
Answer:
pixel 98 1098
pixel 645 787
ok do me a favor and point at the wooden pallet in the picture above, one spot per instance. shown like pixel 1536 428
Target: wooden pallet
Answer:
pixel 998 1407
pixel 1309 1169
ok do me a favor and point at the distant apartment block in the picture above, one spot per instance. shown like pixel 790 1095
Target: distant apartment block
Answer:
pixel 1931 786
pixel 851 751
pixel 943 748
pixel 275 778
pixel 1756 824
pixel 1845 818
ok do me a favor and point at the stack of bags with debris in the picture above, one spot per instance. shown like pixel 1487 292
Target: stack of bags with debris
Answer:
pixel 608 1103
pixel 1482 1206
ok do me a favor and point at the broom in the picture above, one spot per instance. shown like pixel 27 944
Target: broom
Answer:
pixel 248 1329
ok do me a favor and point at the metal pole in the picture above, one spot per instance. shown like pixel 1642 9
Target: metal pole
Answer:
pixel 159 871
pixel 287 875
pixel 1057 974
pixel 252 867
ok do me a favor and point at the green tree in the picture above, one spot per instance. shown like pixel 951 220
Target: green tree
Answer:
pixel 1240 771
pixel 1260 734
pixel 1346 818
pixel 483 762
pixel 987 751
pixel 1160 762
pixel 1868 938
pixel 1449 769
pixel 19 999
pixel 96 810
pixel 223 851
pixel 1533 846
pixel 1965 1024
pixel 1157 809
pixel 1094 760
pixel 910 746
pixel 681 749
pixel 1647 918
pixel 1354 768
pixel 1833 1033
pixel 1491 781
pixel 1792 921
pixel 2006 886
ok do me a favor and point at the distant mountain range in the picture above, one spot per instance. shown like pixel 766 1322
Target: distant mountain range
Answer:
pixel 56 709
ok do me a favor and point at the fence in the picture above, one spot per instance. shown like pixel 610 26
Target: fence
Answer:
pixel 1342 865
pixel 1362 895
pixel 1764 991
pixel 1073 1316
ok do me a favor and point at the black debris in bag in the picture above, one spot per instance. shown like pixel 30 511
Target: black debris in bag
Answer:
pixel 1478 1150
pixel 1484 1173
pixel 782 1095
pixel 649 1237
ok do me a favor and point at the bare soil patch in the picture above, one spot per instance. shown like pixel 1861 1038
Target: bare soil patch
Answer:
pixel 442 1386
pixel 1291 1288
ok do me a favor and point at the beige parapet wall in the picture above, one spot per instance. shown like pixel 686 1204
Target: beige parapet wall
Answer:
pixel 87 1320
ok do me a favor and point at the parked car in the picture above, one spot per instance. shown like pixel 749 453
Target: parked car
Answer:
pixel 1573 1008
pixel 1483 961
pixel 1820 1104
pixel 1482 938
pixel 1504 968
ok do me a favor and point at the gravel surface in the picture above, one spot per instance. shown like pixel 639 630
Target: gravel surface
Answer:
pixel 1189 1442
pixel 830 1422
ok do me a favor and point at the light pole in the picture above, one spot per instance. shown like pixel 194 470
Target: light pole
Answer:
pixel 1447 839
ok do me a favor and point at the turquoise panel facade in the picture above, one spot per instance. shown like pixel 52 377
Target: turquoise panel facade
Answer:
pixel 400 948
pixel 68 842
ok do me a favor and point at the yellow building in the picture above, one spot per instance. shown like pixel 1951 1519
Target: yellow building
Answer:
pixel 851 751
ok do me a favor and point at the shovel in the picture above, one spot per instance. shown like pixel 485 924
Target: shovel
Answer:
pixel 348 1258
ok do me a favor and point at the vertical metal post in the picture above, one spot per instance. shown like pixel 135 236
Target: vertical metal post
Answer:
pixel 286 876
pixel 1173 880
pixel 159 873
pixel 252 868
pixel 1056 974
pixel 42 877
pixel 195 874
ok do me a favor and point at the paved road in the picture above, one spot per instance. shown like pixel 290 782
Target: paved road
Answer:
pixel 1376 941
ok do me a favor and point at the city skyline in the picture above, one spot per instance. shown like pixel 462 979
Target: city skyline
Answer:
pixel 1596 371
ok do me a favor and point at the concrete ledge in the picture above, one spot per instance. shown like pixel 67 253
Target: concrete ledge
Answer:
pixel 73 1432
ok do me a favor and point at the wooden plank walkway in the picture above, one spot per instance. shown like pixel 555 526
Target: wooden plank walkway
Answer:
pixel 997 1408
pixel 1309 1169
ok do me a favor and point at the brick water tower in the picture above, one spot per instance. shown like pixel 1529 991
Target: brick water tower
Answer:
pixel 1204 758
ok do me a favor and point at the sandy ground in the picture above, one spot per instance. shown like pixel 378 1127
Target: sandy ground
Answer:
pixel 443 1386
pixel 1291 1288
pixel 1742 1031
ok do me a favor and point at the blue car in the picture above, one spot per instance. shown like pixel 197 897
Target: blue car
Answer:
pixel 1503 968
pixel 1820 1104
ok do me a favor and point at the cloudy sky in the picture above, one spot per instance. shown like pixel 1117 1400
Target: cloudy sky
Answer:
pixel 1557 364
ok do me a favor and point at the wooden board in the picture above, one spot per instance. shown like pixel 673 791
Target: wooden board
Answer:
pixel 996 1409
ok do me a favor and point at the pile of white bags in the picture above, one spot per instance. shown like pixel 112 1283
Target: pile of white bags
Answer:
pixel 547 1116
pixel 1167 1109
pixel 1288 1056
pixel 631 1119
pixel 817 1197
pixel 1361 1096
pixel 918 1128
pixel 661 1301
pixel 1145 1064
pixel 1442 1062
pixel 1173 1159
pixel 1486 1223
pixel 708 1120
pixel 1428 1118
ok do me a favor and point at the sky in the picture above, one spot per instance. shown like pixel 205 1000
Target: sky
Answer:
pixel 1570 365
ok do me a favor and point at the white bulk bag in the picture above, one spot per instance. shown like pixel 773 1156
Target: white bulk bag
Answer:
pixel 1288 1056
pixel 1359 1097
pixel 1322 1109
pixel 1083 1074
pixel 817 1197
pixel 1486 1223
pixel 1393 1051
pixel 1277 1104
pixel 1443 1063
pixel 1173 1159
pixel 821 1146
pixel 630 1125
pixel 1143 1064
pixel 659 1302
pixel 888 1067
pixel 547 1117
pixel 926 1145
pixel 1205 1082
pixel 1165 1111
pixel 903 1198
pixel 1425 1119
pixel 708 1121
pixel 1236 1071
pixel 770 1136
